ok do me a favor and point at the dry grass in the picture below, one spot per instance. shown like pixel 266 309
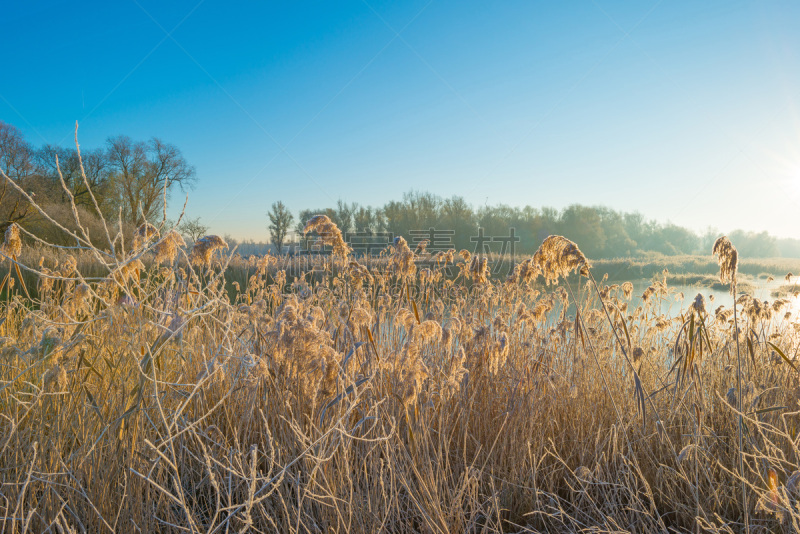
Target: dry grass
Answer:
pixel 145 398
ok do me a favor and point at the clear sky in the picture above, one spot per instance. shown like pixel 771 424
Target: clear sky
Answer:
pixel 686 111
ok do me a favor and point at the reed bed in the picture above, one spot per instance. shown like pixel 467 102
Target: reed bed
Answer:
pixel 142 392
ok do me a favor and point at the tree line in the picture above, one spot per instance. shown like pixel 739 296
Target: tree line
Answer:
pixel 599 231
pixel 128 180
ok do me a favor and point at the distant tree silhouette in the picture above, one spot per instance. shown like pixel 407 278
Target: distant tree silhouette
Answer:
pixel 142 170
pixel 280 220
pixel 193 228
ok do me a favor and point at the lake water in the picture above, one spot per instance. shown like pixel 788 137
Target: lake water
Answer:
pixel 673 306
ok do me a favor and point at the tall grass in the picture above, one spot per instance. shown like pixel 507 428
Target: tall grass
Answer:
pixel 401 395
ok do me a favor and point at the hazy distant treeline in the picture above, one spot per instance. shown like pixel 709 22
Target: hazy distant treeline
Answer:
pixel 128 178
pixel 599 231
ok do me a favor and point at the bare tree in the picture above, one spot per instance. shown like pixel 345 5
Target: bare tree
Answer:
pixel 344 215
pixel 280 220
pixel 16 161
pixel 193 228
pixel 16 154
pixel 95 166
pixel 365 219
pixel 142 172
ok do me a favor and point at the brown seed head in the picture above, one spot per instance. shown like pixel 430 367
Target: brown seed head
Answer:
pixel 558 256
pixel 699 305
pixel 328 232
pixel 167 248
pixel 728 259
pixel 12 245
pixel 204 248
pixel 479 269
pixel 402 260
pixel 627 290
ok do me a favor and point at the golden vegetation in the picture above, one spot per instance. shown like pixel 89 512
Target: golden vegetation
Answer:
pixel 138 395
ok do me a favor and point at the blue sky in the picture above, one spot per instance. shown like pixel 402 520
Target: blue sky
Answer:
pixel 685 111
